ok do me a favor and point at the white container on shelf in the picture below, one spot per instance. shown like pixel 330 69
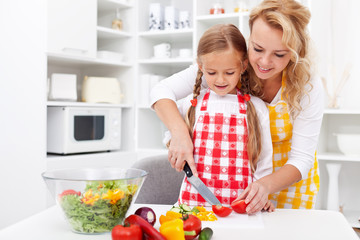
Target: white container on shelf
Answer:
pixel 184 19
pixel 171 18
pixel 156 16
pixel 109 55
pixel 62 87
pixel 348 143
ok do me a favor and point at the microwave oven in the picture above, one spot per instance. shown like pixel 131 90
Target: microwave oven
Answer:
pixel 75 129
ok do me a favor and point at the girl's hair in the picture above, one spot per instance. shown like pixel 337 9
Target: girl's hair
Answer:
pixel 292 18
pixel 222 37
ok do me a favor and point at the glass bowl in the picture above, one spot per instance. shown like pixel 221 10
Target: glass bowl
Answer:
pixel 94 200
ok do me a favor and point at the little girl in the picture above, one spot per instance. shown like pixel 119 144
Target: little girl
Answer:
pixel 230 129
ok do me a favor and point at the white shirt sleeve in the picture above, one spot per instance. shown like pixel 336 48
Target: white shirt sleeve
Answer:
pixel 306 129
pixel 264 166
pixel 183 106
pixel 177 86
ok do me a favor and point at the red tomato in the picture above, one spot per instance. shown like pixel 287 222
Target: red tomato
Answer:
pixel 221 211
pixel 69 192
pixel 192 223
pixel 132 232
pixel 239 206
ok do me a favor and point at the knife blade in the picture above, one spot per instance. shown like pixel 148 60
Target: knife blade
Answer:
pixel 200 186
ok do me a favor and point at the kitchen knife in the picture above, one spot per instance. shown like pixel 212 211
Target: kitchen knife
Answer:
pixel 200 186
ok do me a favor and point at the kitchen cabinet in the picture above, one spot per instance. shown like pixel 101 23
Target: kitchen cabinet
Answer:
pixel 73 27
pixel 93 23
pixel 339 172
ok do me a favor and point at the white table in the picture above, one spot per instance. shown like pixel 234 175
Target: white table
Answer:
pixel 281 224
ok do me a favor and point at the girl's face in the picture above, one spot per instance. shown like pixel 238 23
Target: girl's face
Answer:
pixel 222 70
pixel 267 54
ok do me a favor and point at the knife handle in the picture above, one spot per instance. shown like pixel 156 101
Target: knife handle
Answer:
pixel 187 170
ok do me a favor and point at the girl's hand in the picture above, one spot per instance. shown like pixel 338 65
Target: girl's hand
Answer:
pixel 181 150
pixel 256 196
pixel 269 206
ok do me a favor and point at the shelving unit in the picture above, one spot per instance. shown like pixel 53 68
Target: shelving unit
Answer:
pixel 338 121
pixel 80 63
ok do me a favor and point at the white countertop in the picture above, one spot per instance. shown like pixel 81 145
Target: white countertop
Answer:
pixel 281 224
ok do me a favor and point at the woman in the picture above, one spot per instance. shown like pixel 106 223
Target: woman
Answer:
pixel 281 76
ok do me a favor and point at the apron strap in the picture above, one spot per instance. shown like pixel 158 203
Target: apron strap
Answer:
pixel 205 100
pixel 241 100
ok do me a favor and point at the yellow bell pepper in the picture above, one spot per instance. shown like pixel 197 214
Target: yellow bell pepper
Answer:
pixel 173 230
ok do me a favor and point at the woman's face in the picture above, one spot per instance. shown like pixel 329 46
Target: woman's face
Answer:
pixel 267 54
pixel 222 70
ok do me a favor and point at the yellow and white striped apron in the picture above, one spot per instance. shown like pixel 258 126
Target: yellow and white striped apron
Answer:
pixel 300 195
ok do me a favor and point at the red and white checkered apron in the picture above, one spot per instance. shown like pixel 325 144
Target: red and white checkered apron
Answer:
pixel 220 154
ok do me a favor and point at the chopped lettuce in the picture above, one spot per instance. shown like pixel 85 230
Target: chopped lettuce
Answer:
pixel 101 216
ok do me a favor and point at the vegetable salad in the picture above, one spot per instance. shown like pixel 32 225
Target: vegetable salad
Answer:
pixel 102 205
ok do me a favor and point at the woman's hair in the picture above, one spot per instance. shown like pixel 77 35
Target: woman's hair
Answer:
pixel 222 37
pixel 292 18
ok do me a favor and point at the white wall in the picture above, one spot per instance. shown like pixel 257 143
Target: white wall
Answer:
pixel 336 32
pixel 23 111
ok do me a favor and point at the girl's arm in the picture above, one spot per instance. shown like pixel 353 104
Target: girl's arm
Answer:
pixel 163 97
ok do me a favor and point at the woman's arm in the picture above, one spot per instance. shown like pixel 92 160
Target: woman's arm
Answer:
pixel 306 130
pixel 181 146
pixel 264 165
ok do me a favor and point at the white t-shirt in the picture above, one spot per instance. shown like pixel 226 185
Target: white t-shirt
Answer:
pixel 306 126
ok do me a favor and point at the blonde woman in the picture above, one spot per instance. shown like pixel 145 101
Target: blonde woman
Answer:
pixel 280 72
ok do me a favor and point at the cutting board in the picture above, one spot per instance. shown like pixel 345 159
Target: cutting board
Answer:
pixel 233 221
pixel 236 220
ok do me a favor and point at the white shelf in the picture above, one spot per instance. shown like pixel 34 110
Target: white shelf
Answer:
pixel 352 216
pixel 67 60
pixel 341 111
pixel 85 104
pixel 144 107
pixel 221 18
pixel 167 61
pixel 108 33
pixel 110 5
pixel 338 157
pixel 173 35
pixel 99 159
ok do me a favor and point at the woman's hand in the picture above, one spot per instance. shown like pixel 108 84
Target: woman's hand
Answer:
pixel 181 150
pixel 256 196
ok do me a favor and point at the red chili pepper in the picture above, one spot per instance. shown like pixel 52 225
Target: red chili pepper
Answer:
pixel 69 192
pixel 145 226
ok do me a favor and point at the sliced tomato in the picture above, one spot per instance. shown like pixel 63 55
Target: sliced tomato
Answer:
pixel 69 192
pixel 239 206
pixel 221 211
